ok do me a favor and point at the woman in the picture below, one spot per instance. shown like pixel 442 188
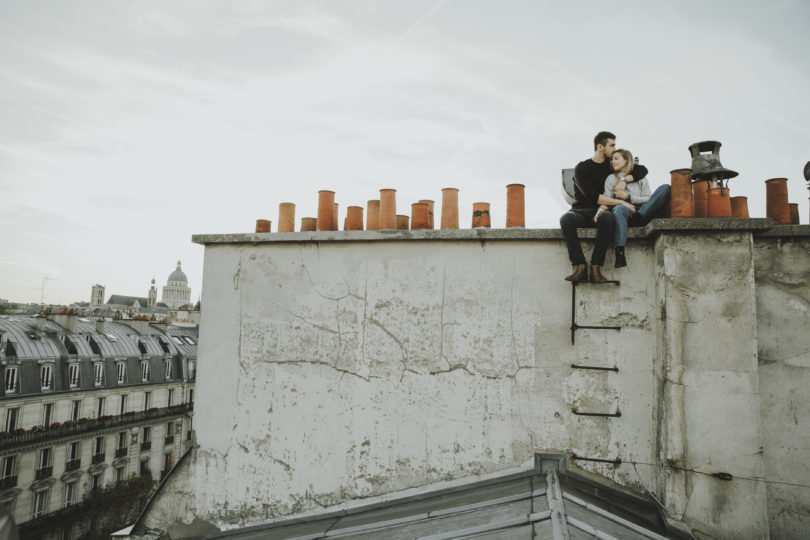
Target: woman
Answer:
pixel 630 199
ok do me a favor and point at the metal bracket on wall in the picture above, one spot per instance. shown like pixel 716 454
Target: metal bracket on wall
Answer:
pixel 597 368
pixel 574 325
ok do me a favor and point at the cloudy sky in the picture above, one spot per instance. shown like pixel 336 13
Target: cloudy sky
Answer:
pixel 128 126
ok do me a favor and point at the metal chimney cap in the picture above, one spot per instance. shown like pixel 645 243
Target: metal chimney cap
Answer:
pixel 706 162
pixel 807 171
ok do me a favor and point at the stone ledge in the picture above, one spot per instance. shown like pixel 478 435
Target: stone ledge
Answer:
pixel 760 226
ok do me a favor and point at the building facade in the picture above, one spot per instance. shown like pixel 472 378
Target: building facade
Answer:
pixel 86 404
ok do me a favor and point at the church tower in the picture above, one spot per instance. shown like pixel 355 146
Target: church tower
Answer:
pixel 152 299
pixel 97 295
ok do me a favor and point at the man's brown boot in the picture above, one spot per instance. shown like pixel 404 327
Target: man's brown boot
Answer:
pixel 580 274
pixel 596 275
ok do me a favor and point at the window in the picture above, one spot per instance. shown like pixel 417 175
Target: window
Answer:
pixel 170 399
pixel 177 340
pixel 119 475
pixel 168 365
pixel 99 407
pixel 168 461
pixel 144 371
pixel 98 447
pixel 147 431
pixel 71 347
pixel 93 345
pixel 41 503
pixel 73 451
pixel 47 414
pixel 170 429
pixel 67 533
pixel 188 340
pixel 123 405
pixel 70 493
pixel 11 380
pixel 141 347
pixel 9 504
pixel 164 346
pixel 46 377
pixel 122 372
pixel 11 351
pixel 98 370
pixel 9 466
pixel 191 395
pixel 75 409
pixel 147 400
pixel 145 467
pixel 44 458
pixel 73 376
pixel 95 482
pixel 191 370
pixel 12 415
pixel 111 337
pixel 122 439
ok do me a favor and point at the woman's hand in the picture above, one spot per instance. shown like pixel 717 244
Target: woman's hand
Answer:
pixel 630 206
pixel 598 212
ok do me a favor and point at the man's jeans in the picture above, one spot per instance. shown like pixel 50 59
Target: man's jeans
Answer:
pixel 583 217
pixel 653 208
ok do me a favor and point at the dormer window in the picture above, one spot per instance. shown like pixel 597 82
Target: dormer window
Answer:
pixel 74 380
pixel 189 340
pixel 122 372
pixel 93 345
pixel 98 371
pixel 145 374
pixel 46 377
pixel 164 345
pixel 111 337
pixel 71 347
pixel 141 347
pixel 177 340
pixel 11 380
pixel 11 350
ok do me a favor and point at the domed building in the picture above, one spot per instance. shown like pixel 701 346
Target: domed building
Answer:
pixel 177 293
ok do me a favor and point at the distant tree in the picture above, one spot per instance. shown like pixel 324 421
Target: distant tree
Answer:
pixel 114 507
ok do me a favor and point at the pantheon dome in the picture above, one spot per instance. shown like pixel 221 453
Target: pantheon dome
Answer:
pixel 176 293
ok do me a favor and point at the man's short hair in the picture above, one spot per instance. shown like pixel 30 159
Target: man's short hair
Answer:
pixel 602 138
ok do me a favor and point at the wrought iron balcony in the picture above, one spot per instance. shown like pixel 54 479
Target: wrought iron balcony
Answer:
pixel 71 429
pixel 169 440
pixel 147 445
pixel 120 452
pixel 8 482
pixel 73 464
pixel 44 472
pixel 98 458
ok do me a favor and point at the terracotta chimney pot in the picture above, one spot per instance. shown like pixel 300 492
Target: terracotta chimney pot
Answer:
pixel 373 215
pixel 326 211
pixel 450 208
pixel 430 210
pixel 388 209
pixel 776 201
pixel 718 202
pixel 308 224
pixel 794 213
pixel 354 218
pixel 682 205
pixel 699 196
pixel 480 217
pixel 262 225
pixel 739 207
pixel 420 216
pixel 286 217
pixel 402 222
pixel 515 205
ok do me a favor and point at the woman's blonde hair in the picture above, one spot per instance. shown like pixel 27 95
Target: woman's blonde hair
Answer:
pixel 628 168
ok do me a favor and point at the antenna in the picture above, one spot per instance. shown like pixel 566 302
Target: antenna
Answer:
pixel 42 297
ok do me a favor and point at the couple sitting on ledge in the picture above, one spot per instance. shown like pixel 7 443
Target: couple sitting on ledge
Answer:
pixel 610 193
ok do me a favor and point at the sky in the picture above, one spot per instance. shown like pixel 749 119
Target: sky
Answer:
pixel 126 127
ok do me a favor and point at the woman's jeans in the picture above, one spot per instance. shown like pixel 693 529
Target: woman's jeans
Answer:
pixel 653 208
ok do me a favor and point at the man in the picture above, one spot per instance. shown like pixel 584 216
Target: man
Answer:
pixel 589 182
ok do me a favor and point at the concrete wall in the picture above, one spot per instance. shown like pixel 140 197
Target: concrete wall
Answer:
pixel 783 312
pixel 341 366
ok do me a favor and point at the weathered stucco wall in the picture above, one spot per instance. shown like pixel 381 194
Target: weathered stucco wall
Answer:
pixel 341 366
pixel 783 339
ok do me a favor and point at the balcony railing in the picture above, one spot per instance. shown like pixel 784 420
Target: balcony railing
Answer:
pixel 146 445
pixel 169 439
pixel 120 452
pixel 71 429
pixel 8 482
pixel 98 458
pixel 73 464
pixel 44 472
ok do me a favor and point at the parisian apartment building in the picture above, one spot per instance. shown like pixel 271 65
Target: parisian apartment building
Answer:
pixel 87 404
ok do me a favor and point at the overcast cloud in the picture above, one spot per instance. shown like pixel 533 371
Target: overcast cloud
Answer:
pixel 126 127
